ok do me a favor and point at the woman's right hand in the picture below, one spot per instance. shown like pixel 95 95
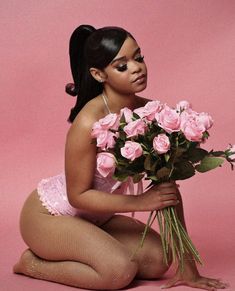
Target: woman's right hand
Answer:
pixel 159 196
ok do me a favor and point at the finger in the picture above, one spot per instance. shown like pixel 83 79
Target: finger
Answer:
pixel 201 286
pixel 168 190
pixel 166 197
pixel 217 284
pixel 166 184
pixel 168 203
pixel 170 283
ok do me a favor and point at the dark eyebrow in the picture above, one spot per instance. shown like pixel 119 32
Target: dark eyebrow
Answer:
pixel 123 58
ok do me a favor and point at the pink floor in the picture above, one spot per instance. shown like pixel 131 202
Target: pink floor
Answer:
pixel 212 231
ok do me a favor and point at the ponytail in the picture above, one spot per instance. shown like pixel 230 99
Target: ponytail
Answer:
pixel 79 69
pixel 88 48
pixel 76 49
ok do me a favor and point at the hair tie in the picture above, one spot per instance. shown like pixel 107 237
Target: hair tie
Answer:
pixel 71 89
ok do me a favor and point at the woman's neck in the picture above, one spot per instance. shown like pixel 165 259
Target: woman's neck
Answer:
pixel 117 101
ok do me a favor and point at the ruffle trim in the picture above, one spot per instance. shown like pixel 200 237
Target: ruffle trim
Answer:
pixel 44 200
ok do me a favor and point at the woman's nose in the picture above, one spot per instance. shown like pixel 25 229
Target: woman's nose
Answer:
pixel 135 67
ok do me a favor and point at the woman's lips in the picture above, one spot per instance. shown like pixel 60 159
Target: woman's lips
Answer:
pixel 140 79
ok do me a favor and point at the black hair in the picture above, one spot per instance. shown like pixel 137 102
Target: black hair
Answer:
pixel 88 48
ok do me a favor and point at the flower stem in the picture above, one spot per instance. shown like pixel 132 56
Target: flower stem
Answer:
pixel 159 217
pixel 144 235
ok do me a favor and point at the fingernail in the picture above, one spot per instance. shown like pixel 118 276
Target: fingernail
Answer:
pixel 163 286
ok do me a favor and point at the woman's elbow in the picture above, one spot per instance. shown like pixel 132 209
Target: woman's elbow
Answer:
pixel 73 198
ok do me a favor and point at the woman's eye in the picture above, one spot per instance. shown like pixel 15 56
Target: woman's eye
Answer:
pixel 140 59
pixel 122 68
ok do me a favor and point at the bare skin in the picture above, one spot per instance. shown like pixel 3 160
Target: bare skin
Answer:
pixel 75 252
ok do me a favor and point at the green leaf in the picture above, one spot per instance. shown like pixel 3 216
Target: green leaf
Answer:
pixel 205 135
pixel 167 157
pixel 122 135
pixel 217 154
pixel 137 177
pixel 153 178
pixel 136 116
pixel 147 163
pixel 196 154
pixel 163 172
pixel 179 151
pixel 209 163
pixel 120 176
pixel 122 163
pixel 182 171
pixel 122 119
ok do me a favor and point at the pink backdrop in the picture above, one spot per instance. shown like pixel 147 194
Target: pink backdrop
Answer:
pixel 189 47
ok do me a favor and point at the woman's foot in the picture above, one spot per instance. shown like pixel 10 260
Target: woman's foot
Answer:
pixel 26 264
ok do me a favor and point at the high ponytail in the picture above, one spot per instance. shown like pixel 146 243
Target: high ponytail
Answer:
pixel 77 63
pixel 88 48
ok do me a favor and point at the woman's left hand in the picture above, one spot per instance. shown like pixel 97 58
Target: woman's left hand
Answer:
pixel 196 281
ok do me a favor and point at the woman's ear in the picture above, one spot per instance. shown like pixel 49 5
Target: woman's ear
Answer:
pixel 98 75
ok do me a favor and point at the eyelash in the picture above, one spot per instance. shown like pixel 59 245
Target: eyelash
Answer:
pixel 123 68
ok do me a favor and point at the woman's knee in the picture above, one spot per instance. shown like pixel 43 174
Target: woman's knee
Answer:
pixel 153 265
pixel 120 272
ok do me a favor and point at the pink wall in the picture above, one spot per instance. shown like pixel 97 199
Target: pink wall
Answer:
pixel 189 47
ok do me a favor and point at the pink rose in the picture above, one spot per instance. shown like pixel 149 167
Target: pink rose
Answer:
pixel 161 143
pixel 183 105
pixel 131 150
pixel 128 114
pixel 193 130
pixel 187 116
pixel 194 124
pixel 135 127
pixel 232 152
pixel 140 111
pixel 149 110
pixel 205 119
pixel 110 121
pixel 105 139
pixel 96 129
pixel 168 119
pixel 105 163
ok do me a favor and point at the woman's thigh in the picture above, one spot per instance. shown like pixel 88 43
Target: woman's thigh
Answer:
pixel 62 238
pixel 129 232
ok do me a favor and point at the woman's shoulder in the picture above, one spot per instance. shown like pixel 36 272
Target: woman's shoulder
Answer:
pixel 84 121
pixel 90 113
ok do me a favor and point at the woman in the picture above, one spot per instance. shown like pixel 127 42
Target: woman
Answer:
pixel 69 221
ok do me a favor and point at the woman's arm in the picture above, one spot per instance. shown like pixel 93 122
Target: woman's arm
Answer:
pixel 80 163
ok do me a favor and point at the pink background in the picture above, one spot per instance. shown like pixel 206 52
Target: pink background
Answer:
pixel 189 47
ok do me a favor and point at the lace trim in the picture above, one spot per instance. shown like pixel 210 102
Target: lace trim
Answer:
pixel 44 200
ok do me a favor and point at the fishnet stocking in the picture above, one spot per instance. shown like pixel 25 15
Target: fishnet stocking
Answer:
pixel 72 251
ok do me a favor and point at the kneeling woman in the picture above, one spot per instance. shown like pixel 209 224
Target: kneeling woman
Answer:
pixel 69 221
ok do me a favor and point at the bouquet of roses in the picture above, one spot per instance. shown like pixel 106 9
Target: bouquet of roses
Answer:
pixel 159 143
